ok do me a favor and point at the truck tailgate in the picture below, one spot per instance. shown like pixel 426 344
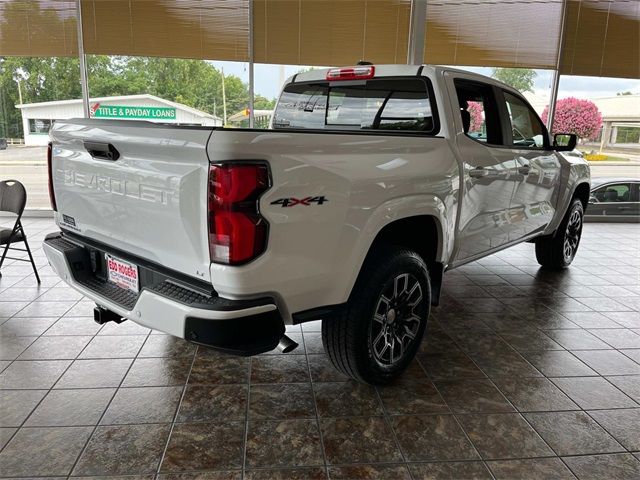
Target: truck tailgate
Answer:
pixel 151 201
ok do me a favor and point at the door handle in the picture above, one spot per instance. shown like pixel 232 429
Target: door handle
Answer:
pixel 524 170
pixel 478 172
pixel 103 151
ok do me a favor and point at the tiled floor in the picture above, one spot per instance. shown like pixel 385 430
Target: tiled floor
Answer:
pixel 523 374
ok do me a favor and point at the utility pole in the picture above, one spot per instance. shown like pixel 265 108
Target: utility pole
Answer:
pixel 224 101
pixel 84 77
pixel 251 65
pixel 19 90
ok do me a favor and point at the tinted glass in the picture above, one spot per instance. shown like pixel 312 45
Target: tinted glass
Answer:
pixel 526 129
pixel 301 106
pixel 613 193
pixel 402 105
pixel 478 112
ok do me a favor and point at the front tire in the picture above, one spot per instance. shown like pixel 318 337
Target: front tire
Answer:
pixel 377 334
pixel 557 252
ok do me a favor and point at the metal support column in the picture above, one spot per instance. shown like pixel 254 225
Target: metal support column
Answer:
pixel 417 28
pixel 84 78
pixel 251 76
pixel 554 97
pixel 556 72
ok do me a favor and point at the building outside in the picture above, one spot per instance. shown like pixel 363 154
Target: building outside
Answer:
pixel 262 118
pixel 620 118
pixel 620 121
pixel 37 118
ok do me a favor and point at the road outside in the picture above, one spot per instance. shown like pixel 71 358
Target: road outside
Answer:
pixel 29 166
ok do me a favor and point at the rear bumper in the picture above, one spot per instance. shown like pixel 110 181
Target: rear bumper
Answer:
pixel 166 303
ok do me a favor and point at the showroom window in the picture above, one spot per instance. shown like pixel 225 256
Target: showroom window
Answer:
pixel 385 104
pixel 39 126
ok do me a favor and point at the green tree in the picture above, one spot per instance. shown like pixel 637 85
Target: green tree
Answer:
pixel 519 78
pixel 262 103
pixel 195 83
pixel 41 79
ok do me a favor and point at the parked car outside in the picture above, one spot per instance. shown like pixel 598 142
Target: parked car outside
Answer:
pixel 614 200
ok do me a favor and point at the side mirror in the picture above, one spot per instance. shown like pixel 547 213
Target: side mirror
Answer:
pixel 593 199
pixel 564 142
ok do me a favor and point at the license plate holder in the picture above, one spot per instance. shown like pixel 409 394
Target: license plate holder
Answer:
pixel 123 274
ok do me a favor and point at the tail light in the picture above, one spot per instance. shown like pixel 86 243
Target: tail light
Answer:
pixel 52 195
pixel 362 72
pixel 237 231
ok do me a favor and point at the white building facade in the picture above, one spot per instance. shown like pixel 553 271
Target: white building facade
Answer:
pixel 620 121
pixel 37 118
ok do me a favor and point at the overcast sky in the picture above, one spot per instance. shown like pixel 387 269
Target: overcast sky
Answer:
pixel 268 81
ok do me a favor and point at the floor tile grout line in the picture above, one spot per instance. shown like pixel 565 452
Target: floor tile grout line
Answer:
pixel 627 450
pixel 95 428
pixel 387 421
pixel 315 405
pixel 176 413
pixel 455 415
pixel 246 420
pixel 383 463
pixel 464 431
pixel 48 390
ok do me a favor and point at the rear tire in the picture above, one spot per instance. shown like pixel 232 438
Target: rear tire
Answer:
pixel 558 251
pixel 377 334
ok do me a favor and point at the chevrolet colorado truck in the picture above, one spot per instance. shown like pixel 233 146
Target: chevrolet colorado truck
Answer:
pixel 371 183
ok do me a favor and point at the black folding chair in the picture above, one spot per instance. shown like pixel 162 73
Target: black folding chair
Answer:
pixel 13 198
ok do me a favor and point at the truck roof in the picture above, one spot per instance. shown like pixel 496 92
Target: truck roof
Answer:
pixel 395 70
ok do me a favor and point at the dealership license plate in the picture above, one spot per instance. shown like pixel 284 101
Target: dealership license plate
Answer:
pixel 122 274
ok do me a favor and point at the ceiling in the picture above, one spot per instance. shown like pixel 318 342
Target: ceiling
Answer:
pixel 601 37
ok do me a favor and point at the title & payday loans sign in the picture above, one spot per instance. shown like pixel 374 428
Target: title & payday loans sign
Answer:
pixel 125 111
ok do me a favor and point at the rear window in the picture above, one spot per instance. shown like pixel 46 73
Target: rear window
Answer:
pixel 384 104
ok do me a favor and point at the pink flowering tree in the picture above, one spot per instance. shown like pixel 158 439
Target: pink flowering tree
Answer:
pixel 475 110
pixel 580 117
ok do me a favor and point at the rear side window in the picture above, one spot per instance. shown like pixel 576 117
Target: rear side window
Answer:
pixel 478 111
pixel 379 104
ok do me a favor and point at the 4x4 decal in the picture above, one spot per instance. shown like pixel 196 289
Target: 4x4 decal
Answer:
pixel 292 201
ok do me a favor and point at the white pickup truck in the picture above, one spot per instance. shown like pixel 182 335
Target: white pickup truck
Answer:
pixel 371 183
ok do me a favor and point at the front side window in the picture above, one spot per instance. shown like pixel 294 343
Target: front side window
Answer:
pixel 620 192
pixel 39 126
pixel 379 104
pixel 526 129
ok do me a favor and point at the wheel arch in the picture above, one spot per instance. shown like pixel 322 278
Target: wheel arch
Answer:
pixel 421 233
pixel 582 192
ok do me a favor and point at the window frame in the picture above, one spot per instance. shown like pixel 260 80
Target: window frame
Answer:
pixel 494 110
pixel 633 192
pixel 348 129
pixel 34 120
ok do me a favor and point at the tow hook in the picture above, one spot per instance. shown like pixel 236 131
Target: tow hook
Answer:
pixel 287 345
pixel 101 316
